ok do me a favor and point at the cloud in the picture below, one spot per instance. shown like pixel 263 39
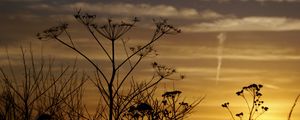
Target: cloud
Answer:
pixel 24 17
pixel 271 86
pixel 213 70
pixel 246 24
pixel 221 1
pixel 275 0
pixel 252 54
pixel 20 0
pixel 42 6
pixel 136 9
pixel 263 58
pixel 241 57
pixel 128 9
pixel 208 14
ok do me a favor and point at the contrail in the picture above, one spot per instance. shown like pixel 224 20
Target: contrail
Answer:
pixel 221 37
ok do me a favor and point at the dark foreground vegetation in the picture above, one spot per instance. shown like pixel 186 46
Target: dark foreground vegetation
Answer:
pixel 39 91
pixel 252 96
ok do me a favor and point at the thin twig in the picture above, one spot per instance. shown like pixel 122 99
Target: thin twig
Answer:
pixel 292 109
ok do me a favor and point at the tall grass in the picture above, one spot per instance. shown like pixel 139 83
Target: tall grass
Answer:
pixel 38 91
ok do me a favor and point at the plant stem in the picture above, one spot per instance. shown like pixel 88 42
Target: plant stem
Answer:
pixel 292 109
pixel 110 86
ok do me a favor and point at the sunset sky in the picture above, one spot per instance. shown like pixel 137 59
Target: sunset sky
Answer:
pixel 262 44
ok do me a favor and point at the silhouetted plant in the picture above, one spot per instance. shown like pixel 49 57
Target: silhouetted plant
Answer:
pixel 115 100
pixel 253 102
pixel 292 108
pixel 39 92
pixel 170 107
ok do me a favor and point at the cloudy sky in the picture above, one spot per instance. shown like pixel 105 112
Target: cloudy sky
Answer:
pixel 261 43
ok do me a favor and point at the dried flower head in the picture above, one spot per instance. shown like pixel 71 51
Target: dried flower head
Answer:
pixel 143 51
pixel 84 18
pixel 264 108
pixel 163 27
pixel 225 105
pixel 240 92
pixel 114 31
pixel 172 94
pixel 239 114
pixel 163 71
pixel 52 32
pixel 139 110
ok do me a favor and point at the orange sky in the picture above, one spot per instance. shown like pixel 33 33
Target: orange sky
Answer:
pixel 262 45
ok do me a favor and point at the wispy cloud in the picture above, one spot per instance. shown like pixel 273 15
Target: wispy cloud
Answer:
pixel 213 70
pixel 131 9
pixel 275 0
pixel 254 54
pixel 128 9
pixel 271 86
pixel 20 0
pixel 258 0
pixel 145 10
pixel 240 57
pixel 24 17
pixel 246 24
